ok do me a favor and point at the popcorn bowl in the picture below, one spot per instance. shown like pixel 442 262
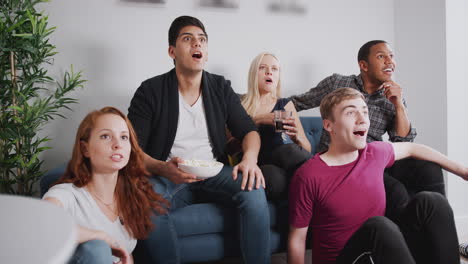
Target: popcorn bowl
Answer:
pixel 203 169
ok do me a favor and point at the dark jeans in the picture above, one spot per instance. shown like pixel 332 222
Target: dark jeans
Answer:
pixel 406 178
pixel 254 219
pixel 278 171
pixel 425 234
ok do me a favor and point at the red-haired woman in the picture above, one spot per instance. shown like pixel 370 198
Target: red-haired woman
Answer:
pixel 106 189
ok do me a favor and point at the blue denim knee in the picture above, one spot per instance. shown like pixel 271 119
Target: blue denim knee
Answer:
pixel 92 252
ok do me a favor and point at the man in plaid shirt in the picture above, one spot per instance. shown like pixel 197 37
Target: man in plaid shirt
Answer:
pixel 387 114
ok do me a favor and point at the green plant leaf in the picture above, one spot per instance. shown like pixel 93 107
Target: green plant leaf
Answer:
pixel 31 98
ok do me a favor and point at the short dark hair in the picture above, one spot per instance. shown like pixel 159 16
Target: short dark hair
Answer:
pixel 364 51
pixel 180 23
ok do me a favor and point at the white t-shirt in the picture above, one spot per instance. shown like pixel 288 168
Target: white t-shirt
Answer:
pixel 192 140
pixel 79 203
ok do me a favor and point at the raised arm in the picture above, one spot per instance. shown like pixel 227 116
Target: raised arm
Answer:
pixel 402 123
pixel 313 97
pixel 401 129
pixel 297 244
pixel 423 152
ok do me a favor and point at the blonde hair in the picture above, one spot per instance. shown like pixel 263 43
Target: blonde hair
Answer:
pixel 250 100
pixel 337 96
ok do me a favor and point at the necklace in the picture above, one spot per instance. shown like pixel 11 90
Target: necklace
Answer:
pixel 107 205
pixel 102 201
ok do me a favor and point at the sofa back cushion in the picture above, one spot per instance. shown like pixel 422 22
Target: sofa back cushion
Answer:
pixel 313 129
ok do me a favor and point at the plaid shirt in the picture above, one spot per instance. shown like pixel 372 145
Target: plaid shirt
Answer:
pixel 381 110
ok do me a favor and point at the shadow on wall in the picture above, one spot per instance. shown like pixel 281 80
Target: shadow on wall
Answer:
pixel 219 3
pixel 288 6
pixel 146 1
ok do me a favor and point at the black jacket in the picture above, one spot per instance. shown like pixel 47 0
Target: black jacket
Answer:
pixel 154 113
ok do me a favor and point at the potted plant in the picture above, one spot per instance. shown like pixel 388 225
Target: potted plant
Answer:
pixel 29 96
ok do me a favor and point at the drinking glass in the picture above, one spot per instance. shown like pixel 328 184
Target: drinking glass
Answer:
pixel 280 116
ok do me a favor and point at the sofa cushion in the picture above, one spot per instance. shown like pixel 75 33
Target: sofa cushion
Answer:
pixel 313 127
pixel 51 177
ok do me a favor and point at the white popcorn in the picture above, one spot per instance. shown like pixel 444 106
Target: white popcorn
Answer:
pixel 201 163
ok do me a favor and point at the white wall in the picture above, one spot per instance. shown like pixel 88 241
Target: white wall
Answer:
pixel 431 37
pixel 420 45
pixel 118 44
pixel 457 93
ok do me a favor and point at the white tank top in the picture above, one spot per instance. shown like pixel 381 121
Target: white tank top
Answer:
pixel 192 140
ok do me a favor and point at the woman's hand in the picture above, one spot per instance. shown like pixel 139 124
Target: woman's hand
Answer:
pixel 289 125
pixel 117 249
pixel 121 253
pixel 295 130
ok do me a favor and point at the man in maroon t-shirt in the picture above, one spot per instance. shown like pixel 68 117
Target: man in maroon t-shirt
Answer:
pixel 341 196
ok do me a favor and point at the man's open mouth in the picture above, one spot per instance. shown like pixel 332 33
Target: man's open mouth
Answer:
pixel 359 133
pixel 197 55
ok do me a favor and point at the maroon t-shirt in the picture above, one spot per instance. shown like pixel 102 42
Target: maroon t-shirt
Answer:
pixel 334 201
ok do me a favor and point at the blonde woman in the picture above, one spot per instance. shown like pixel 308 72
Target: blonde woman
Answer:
pixel 277 158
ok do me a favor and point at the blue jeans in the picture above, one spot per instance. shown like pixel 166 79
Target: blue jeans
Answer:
pixel 92 252
pixel 162 243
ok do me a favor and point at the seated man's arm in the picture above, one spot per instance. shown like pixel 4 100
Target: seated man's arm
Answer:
pixel 301 206
pixel 402 123
pixel 296 244
pixel 401 130
pixel 168 169
pixel 243 128
pixel 141 114
pixel 251 173
pixel 313 97
pixel 418 151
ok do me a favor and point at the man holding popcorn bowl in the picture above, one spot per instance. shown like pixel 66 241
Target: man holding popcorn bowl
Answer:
pixel 182 115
